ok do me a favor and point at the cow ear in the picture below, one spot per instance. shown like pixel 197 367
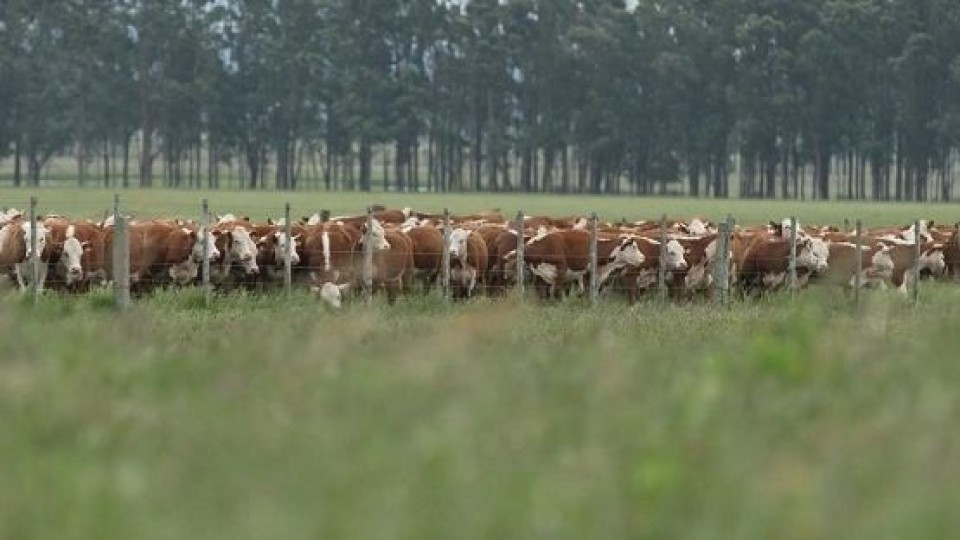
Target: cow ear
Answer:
pixel 270 221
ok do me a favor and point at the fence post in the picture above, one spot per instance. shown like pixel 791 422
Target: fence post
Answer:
pixel 34 256
pixel 916 261
pixel 121 260
pixel 731 225
pixel 792 268
pixel 368 258
pixel 846 226
pixel 116 205
pixel 445 258
pixel 721 264
pixel 205 245
pixel 520 249
pixel 662 263
pixel 288 252
pixel 594 267
pixel 858 276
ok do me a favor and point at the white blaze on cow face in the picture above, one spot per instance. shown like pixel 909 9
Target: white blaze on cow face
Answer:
pixel 331 293
pixel 243 249
pixel 29 231
pixel 458 244
pixel 881 263
pixel 932 260
pixel 314 219
pixel 213 254
pixel 813 254
pixel 628 253
pixel 697 227
pixel 675 260
pixel 376 234
pixel 71 256
pixel 280 252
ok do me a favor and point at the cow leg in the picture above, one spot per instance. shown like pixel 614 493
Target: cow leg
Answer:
pixel 18 271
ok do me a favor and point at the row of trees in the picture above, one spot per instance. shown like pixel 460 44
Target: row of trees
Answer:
pixel 520 95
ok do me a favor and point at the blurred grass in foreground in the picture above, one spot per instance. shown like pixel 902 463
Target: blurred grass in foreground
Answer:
pixel 268 418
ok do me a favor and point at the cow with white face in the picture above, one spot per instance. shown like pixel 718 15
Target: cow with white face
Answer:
pixel 331 293
pixel 674 257
pixel 71 257
pixel 241 249
pixel 22 269
pixel 282 244
pixel 813 254
pixel 468 261
pixel 377 235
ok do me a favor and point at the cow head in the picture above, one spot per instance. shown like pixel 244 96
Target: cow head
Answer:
pixel 281 244
pixel 31 230
pixel 72 255
pixel 331 293
pixel 196 253
pixel 627 252
pixel 932 261
pixel 812 254
pixel 376 233
pixel 696 227
pixel 674 253
pixel 881 263
pixel 243 250
pixel 458 244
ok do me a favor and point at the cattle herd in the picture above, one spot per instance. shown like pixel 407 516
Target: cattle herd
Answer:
pixel 404 252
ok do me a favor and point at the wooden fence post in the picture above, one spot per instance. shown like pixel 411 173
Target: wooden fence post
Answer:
pixel 520 249
pixel 36 231
pixel 792 268
pixel 121 261
pixel 721 263
pixel 858 276
pixel 205 246
pixel 445 258
pixel 368 258
pixel 288 252
pixel 662 263
pixel 594 267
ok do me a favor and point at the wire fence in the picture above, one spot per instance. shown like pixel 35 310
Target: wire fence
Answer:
pixel 135 251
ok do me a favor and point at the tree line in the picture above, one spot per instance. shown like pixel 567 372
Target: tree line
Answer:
pixel 817 99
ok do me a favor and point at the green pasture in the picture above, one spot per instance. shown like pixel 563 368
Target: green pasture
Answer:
pixel 274 417
pixel 92 203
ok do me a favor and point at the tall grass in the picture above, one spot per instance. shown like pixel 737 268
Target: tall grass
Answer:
pixel 275 418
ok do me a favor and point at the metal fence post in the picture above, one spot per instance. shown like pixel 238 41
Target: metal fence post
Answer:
pixel 34 256
pixel 846 226
pixel 792 265
pixel 916 261
pixel 662 263
pixel 116 205
pixel 445 257
pixel 858 276
pixel 731 225
pixel 287 252
pixel 520 249
pixel 121 261
pixel 205 246
pixel 594 267
pixel 368 258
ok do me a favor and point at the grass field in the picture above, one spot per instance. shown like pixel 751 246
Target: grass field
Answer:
pixel 267 417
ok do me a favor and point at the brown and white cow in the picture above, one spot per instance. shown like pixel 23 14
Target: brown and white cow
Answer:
pixel 236 252
pixel 562 257
pixel 468 261
pixel 160 252
pixel 876 264
pixel 764 263
pixel 76 252
pixel 328 252
pixel 642 277
pixel 427 253
pixel 16 237
pixel 392 267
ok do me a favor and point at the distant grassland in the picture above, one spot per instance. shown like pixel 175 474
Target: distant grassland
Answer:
pixel 268 417
pixel 92 203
